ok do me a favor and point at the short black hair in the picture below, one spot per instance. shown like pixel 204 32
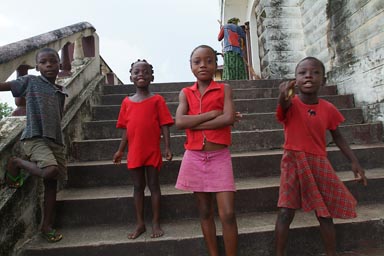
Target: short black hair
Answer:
pixel 143 60
pixel 204 46
pixel 314 59
pixel 47 50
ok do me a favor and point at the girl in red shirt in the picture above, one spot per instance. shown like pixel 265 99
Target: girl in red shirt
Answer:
pixel 144 117
pixel 206 111
pixel 307 179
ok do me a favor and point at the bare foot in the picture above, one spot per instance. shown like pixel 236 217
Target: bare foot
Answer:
pixel 138 231
pixel 156 231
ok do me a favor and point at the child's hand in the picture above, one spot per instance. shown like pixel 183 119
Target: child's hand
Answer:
pixel 287 89
pixel 238 116
pixel 168 155
pixel 359 174
pixel 117 157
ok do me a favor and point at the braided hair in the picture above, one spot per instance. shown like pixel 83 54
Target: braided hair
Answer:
pixel 143 60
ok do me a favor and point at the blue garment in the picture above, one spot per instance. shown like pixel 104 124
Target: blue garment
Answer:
pixel 233 36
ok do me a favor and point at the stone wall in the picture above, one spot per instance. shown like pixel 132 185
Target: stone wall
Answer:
pixel 356 39
pixel 280 36
pixel 348 36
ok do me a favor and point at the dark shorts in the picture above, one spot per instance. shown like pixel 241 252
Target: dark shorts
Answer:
pixel 44 153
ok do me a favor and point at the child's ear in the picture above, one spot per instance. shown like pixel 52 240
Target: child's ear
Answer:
pixel 37 68
pixel 130 79
pixel 153 78
pixel 324 80
pixel 61 66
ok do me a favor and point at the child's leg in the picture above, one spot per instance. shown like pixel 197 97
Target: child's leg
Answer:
pixel 328 234
pixel 49 172
pixel 284 220
pixel 138 177
pixel 207 222
pixel 154 187
pixel 226 207
pixel 50 190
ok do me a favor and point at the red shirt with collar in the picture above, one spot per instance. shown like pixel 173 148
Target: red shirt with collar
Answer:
pixel 212 99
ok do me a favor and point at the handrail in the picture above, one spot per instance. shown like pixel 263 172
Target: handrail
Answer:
pixel 22 53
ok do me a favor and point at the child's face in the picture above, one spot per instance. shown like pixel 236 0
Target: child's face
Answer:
pixel 48 65
pixel 203 64
pixel 141 74
pixel 309 76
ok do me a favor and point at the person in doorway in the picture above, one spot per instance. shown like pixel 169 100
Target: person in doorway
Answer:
pixel 233 44
pixel 206 111
pixel 42 139
pixel 307 179
pixel 143 117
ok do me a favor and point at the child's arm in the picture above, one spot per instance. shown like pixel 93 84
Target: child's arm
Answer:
pixel 5 86
pixel 346 150
pixel 123 144
pixel 228 117
pixel 286 93
pixel 167 142
pixel 185 121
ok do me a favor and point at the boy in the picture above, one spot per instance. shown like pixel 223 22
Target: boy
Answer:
pixel 42 139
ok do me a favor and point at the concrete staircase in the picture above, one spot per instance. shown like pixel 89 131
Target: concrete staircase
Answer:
pixel 95 212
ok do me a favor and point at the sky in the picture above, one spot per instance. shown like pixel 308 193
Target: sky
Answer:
pixel 164 32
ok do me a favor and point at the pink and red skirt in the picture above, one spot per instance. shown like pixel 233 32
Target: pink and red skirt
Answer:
pixel 309 182
pixel 206 171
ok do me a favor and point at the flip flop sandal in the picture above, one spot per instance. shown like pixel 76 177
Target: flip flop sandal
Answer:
pixel 12 181
pixel 52 236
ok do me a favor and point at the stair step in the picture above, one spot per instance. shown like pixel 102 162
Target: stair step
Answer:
pixel 251 164
pixel 183 237
pixel 266 105
pixel 242 141
pixel 254 121
pixel 167 87
pixel 85 206
pixel 243 93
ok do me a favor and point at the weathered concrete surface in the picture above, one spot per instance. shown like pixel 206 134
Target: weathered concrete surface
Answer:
pixel 347 36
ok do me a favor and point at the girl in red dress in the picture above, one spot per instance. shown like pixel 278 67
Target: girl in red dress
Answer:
pixel 144 118
pixel 308 180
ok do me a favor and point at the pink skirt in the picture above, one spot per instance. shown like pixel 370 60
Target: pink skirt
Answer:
pixel 206 171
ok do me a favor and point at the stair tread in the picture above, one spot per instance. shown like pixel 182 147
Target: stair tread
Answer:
pixel 237 154
pixel 188 229
pixel 169 189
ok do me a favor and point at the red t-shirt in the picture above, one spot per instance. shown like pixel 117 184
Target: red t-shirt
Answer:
pixel 143 121
pixel 305 125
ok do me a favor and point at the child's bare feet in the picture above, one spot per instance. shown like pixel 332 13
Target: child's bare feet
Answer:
pixel 138 231
pixel 156 231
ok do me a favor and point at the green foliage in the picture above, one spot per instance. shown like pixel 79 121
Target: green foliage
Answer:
pixel 5 110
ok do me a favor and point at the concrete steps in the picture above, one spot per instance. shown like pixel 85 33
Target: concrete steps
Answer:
pixel 95 211
pixel 86 206
pixel 261 105
pixel 102 129
pixel 183 237
pixel 243 141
